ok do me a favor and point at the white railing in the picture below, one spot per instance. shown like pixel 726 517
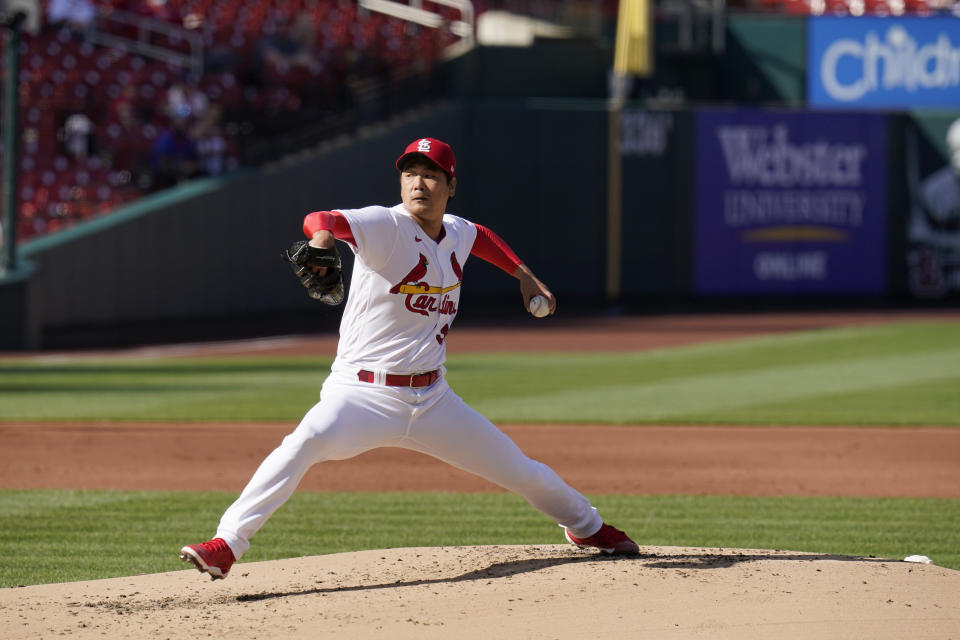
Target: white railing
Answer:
pixel 464 28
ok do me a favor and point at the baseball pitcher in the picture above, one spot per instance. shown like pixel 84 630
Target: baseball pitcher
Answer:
pixel 387 386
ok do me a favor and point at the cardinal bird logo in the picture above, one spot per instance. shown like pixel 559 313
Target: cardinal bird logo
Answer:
pixel 424 299
pixel 414 280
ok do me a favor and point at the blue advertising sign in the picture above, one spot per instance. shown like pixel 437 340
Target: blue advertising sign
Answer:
pixel 790 203
pixel 883 62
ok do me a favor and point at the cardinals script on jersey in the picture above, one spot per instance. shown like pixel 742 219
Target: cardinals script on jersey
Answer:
pixel 414 287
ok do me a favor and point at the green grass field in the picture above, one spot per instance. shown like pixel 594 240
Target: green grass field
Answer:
pixel 904 374
pixel 61 536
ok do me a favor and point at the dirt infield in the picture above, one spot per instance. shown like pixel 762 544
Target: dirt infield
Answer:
pixel 823 461
pixel 514 592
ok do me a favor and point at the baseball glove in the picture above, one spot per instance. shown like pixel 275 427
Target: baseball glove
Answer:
pixel 327 288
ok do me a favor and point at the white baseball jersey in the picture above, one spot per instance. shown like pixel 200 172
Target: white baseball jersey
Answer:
pixel 404 293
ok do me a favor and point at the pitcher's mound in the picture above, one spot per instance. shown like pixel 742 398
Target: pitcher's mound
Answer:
pixel 528 592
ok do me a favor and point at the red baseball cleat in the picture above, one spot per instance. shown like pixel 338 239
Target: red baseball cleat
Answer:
pixel 609 540
pixel 214 557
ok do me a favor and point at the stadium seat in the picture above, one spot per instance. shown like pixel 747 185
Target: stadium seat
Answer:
pixel 62 74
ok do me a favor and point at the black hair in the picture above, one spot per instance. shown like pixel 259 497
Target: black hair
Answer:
pixel 419 158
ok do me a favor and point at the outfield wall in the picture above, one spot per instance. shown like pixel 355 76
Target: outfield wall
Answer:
pixel 536 171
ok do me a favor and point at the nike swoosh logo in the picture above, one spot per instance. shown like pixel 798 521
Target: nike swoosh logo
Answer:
pixel 416 239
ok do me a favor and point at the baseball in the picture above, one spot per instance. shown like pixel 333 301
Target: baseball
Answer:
pixel 539 307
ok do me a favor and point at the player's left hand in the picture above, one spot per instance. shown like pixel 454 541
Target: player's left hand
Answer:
pixel 318 270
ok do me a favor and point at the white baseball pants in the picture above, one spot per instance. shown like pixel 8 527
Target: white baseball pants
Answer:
pixel 353 417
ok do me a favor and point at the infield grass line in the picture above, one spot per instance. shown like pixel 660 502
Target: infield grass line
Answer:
pixel 64 536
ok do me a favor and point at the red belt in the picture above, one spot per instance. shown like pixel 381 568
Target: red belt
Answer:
pixel 396 380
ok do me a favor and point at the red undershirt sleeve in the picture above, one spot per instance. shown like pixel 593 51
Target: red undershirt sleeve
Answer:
pixel 491 247
pixel 332 221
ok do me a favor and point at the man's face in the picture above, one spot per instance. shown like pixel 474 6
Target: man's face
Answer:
pixel 425 188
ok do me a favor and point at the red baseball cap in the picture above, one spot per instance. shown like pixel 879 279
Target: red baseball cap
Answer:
pixel 436 150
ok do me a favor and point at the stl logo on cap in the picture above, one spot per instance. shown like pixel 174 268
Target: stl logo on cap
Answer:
pixel 437 151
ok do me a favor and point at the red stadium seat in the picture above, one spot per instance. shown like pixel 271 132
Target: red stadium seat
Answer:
pixel 62 74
